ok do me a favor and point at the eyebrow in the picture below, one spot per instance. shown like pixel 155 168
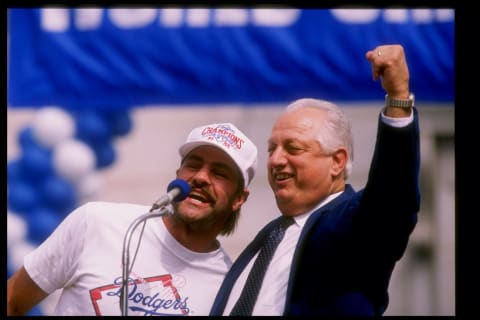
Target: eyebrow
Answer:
pixel 289 140
pixel 214 164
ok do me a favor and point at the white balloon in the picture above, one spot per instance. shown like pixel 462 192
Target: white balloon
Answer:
pixel 16 229
pixel 52 125
pixel 88 187
pixel 73 159
pixel 17 252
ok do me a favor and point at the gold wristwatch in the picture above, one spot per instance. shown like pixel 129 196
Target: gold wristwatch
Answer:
pixel 400 103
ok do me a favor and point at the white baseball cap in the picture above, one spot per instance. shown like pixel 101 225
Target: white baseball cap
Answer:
pixel 231 140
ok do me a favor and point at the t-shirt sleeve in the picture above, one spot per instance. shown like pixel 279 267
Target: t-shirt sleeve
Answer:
pixel 52 265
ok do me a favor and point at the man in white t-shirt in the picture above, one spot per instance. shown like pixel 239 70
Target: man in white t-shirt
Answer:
pixel 177 263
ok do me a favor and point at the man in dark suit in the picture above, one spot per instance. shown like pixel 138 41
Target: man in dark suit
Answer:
pixel 338 255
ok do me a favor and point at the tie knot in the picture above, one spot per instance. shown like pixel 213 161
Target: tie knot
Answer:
pixel 286 222
pixel 280 227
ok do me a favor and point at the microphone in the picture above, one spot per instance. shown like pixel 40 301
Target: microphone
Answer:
pixel 177 190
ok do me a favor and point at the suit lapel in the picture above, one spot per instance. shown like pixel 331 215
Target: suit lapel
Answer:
pixel 332 206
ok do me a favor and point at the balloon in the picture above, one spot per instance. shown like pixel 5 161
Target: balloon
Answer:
pixel 73 159
pixel 16 229
pixel 26 137
pixel 15 171
pixel 10 270
pixel 58 194
pixel 21 197
pixel 91 127
pixel 52 125
pixel 35 311
pixel 17 252
pixel 105 154
pixel 41 223
pixel 119 122
pixel 88 187
pixel 37 162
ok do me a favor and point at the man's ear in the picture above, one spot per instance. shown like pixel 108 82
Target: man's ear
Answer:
pixel 240 200
pixel 339 157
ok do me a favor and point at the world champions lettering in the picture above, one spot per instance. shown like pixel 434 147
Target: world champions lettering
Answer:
pixel 224 135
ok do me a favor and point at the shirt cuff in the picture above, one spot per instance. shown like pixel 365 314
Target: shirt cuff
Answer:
pixel 397 122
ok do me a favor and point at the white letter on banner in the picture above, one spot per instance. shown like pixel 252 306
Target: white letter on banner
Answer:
pixel 171 17
pixel 132 18
pixel 395 15
pixel 422 15
pixel 275 17
pixel 356 15
pixel 198 17
pixel 445 14
pixel 429 15
pixel 54 19
pixel 231 17
pixel 88 19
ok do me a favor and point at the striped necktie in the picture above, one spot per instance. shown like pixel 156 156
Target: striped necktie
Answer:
pixel 246 302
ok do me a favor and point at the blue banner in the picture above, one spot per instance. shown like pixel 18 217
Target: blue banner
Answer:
pixel 122 57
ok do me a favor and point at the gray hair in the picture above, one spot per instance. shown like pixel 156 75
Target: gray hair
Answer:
pixel 336 131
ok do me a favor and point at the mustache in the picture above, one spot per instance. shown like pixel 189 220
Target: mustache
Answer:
pixel 205 191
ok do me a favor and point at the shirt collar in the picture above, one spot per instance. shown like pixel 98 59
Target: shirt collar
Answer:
pixel 302 218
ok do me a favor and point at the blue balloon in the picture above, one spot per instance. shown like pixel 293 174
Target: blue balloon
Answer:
pixel 37 162
pixel 119 122
pixel 26 137
pixel 10 270
pixel 105 154
pixel 58 194
pixel 91 127
pixel 41 223
pixel 15 171
pixel 22 197
pixel 35 311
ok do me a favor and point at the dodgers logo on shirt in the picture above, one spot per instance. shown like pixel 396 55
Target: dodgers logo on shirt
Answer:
pixel 154 296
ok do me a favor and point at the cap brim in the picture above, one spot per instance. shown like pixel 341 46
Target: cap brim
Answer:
pixel 187 147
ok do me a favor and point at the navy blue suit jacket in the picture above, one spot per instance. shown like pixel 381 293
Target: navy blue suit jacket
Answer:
pixel 347 250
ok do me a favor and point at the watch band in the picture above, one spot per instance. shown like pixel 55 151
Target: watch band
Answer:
pixel 400 103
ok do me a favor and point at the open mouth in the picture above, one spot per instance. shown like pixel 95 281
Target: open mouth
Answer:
pixel 282 176
pixel 200 196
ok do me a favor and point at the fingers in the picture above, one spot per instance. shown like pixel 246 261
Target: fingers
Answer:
pixel 378 58
pixel 384 56
pixel 388 63
pixel 373 56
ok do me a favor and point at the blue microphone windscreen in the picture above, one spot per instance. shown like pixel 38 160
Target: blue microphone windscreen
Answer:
pixel 182 185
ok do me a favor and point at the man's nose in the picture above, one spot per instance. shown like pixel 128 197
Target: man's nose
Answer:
pixel 277 158
pixel 202 176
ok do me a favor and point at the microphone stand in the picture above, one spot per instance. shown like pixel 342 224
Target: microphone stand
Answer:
pixel 166 209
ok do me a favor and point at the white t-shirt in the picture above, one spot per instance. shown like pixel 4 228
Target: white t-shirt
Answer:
pixel 84 257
